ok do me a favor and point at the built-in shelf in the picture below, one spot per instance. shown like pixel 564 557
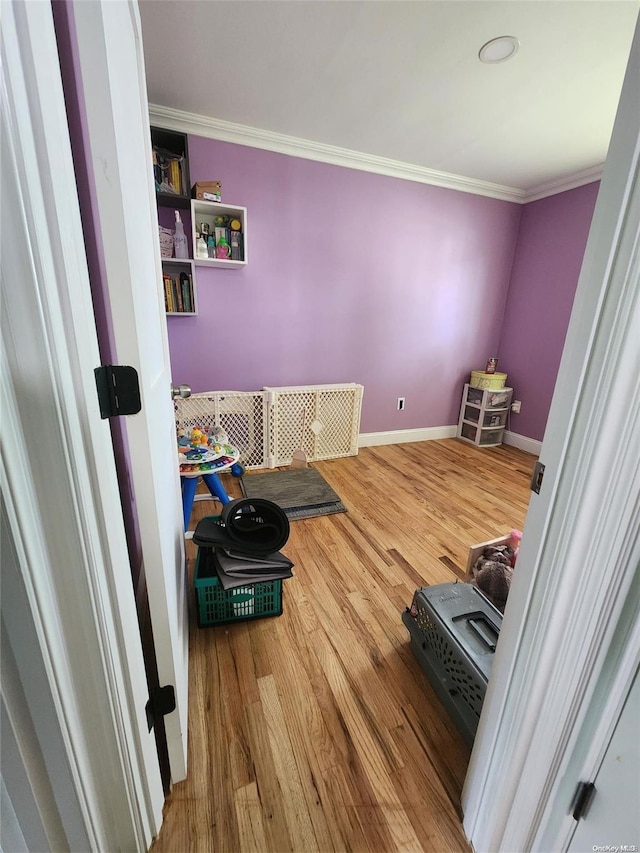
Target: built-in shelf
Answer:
pixel 170 145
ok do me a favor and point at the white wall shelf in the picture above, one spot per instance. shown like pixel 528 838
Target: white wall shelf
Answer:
pixel 206 212
pixel 200 212
pixel 174 267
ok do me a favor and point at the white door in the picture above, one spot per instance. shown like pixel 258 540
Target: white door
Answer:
pixel 111 67
pixel 613 820
pixel 81 767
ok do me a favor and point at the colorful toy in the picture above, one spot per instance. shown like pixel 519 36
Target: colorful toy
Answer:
pixel 514 541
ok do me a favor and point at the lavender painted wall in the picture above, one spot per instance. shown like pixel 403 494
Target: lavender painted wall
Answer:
pixel 352 277
pixel 551 243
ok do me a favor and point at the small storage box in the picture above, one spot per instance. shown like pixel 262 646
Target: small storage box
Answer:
pixel 480 379
pixel 217 605
pixel 453 637
pixel 207 191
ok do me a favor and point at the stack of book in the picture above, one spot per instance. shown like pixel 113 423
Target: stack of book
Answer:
pixel 235 569
pixel 168 172
pixel 178 293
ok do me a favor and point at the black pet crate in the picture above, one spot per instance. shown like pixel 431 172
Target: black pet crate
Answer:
pixel 454 630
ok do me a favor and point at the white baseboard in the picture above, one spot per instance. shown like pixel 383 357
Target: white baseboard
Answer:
pixel 402 436
pixel 529 445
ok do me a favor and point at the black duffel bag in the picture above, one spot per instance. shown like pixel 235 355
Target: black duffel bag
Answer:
pixel 247 525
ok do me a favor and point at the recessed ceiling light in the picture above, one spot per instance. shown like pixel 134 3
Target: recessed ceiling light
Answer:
pixel 499 49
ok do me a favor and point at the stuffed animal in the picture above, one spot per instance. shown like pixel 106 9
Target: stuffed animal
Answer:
pixel 492 573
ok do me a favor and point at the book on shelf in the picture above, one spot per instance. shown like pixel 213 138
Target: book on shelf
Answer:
pixel 168 296
pixel 175 177
pixel 178 291
pixel 186 286
pixel 168 172
pixel 237 246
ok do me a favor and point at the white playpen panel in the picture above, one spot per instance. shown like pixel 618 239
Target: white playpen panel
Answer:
pixel 268 426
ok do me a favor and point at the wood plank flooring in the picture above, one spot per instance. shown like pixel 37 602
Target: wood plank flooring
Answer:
pixel 317 730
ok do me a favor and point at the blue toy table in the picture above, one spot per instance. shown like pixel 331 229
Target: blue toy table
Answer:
pixel 189 481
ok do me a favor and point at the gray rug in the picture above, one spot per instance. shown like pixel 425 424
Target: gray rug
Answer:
pixel 300 492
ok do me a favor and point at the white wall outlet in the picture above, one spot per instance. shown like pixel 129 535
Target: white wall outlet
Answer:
pixel 515 406
pixel 400 403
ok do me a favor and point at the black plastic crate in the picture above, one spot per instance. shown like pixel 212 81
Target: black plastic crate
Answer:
pixel 454 630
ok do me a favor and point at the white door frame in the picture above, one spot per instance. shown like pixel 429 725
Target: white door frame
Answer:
pixel 568 631
pixel 81 672
pixel 117 148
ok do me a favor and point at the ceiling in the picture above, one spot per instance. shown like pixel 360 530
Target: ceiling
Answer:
pixel 397 87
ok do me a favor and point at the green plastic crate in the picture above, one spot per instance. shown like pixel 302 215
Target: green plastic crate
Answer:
pixel 217 605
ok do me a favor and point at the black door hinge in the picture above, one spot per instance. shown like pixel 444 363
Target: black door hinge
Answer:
pixel 538 476
pixel 118 390
pixel 162 701
pixel 582 799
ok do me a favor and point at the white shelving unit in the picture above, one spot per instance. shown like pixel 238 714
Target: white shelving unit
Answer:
pixel 483 415
pixel 171 165
pixel 206 211
pixel 175 266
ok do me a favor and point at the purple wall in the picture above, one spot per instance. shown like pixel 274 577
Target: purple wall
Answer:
pixel 551 243
pixel 352 277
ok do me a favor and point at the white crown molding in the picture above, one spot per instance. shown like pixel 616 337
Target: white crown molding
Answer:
pixel 241 134
pixel 561 185
pixel 293 146
pixel 403 436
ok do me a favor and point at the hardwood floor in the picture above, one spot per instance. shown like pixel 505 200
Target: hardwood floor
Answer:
pixel 317 730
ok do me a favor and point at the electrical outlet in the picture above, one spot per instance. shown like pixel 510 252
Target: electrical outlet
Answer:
pixel 515 406
pixel 400 403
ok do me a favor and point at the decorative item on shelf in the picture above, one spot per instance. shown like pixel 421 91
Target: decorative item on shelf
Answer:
pixel 223 250
pixel 492 365
pixel 201 248
pixel 166 242
pixel 180 239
